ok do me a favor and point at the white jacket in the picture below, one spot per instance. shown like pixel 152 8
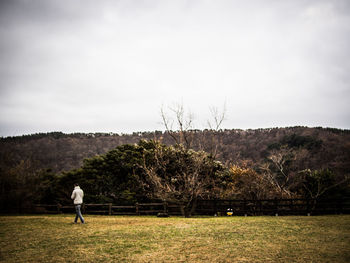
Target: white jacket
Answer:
pixel 77 195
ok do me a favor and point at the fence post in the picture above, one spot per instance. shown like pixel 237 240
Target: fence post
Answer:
pixel 110 208
pixel 137 208
pixel 308 212
pixel 276 206
pixel 59 208
pixel 260 208
pixel 245 206
pixel 165 207
pixel 324 210
pixel 340 206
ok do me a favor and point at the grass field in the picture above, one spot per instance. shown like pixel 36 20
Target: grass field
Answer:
pixel 149 239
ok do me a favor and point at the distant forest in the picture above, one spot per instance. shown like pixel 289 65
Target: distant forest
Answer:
pixel 288 150
pixel 57 151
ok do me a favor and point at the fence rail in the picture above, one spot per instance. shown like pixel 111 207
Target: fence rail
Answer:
pixel 213 207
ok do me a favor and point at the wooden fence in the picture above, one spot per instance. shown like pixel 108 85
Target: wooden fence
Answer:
pixel 275 206
pixel 213 207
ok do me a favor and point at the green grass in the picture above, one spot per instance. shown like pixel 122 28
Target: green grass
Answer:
pixel 175 239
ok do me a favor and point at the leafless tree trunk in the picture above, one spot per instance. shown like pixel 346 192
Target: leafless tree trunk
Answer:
pixel 218 117
pixel 184 184
pixel 279 159
pixel 214 124
pixel 183 123
pixel 183 132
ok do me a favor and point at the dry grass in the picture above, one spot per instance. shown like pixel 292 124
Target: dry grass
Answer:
pixel 175 239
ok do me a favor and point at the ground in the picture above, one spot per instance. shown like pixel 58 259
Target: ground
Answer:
pixel 54 238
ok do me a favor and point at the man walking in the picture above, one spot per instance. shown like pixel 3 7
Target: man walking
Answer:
pixel 77 196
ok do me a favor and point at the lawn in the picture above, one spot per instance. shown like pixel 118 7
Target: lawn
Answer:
pixel 54 238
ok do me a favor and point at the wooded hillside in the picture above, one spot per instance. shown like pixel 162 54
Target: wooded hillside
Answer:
pixel 317 147
pixel 252 164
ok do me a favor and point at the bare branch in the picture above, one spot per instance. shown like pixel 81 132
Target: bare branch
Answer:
pixel 184 124
pixel 168 126
pixel 217 116
pixel 215 125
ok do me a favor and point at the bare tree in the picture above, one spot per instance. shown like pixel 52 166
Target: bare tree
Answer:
pixel 184 123
pixel 179 175
pixel 183 132
pixel 218 117
pixel 317 183
pixel 282 179
pixel 215 123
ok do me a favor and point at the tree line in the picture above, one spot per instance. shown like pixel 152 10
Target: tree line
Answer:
pixel 321 147
pixel 155 168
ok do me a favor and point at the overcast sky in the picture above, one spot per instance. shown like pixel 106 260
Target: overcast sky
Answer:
pixel 109 66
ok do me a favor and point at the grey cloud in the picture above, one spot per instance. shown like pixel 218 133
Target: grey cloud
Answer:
pixel 70 63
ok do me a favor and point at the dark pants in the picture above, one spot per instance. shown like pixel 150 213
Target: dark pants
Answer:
pixel 78 214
